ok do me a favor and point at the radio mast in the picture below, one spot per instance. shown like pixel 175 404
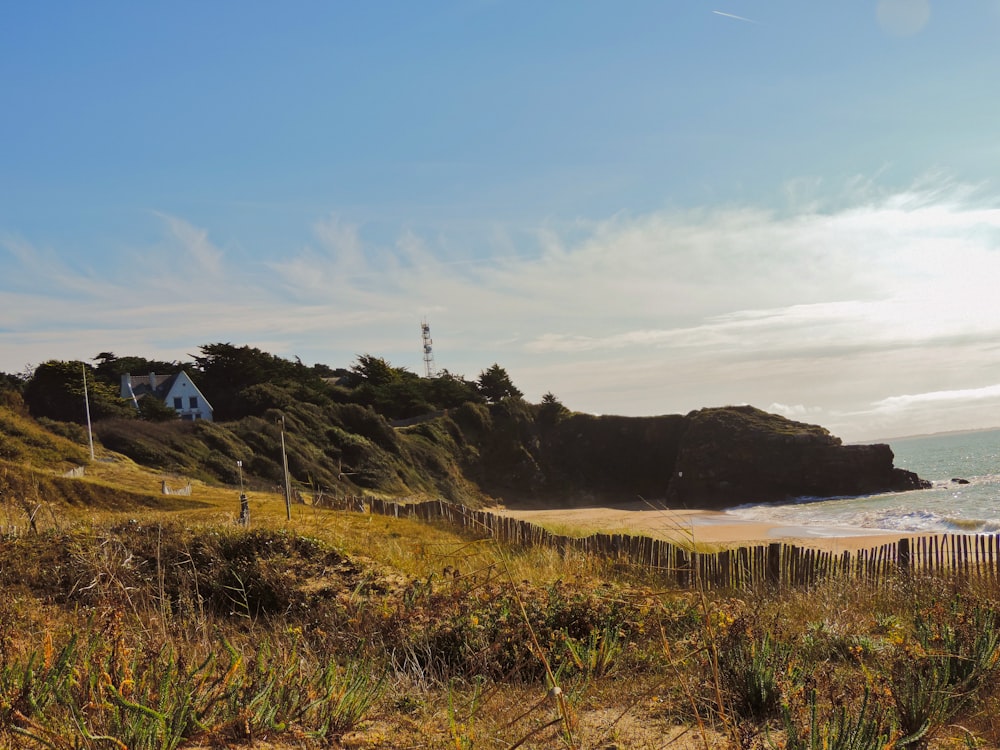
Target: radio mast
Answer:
pixel 425 330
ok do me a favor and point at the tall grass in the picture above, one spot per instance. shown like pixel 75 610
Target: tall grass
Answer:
pixel 162 628
pixel 98 688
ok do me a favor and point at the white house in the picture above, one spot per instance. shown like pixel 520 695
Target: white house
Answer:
pixel 177 391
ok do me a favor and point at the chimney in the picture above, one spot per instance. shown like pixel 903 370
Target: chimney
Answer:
pixel 152 381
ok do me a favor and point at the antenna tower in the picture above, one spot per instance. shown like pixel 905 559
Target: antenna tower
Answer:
pixel 425 330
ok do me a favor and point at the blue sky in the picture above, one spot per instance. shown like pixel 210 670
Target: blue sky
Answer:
pixel 643 207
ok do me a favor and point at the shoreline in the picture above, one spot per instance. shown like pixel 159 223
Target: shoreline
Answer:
pixel 707 527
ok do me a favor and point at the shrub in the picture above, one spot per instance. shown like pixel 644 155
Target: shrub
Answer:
pixel 750 666
pixel 941 669
pixel 866 729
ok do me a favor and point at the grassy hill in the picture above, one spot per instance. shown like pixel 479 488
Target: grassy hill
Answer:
pixel 130 619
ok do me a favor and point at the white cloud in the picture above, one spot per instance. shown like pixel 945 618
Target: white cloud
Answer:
pixel 194 244
pixel 908 401
pixel 832 306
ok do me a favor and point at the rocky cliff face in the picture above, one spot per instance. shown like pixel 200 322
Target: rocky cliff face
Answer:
pixel 740 454
pixel 711 458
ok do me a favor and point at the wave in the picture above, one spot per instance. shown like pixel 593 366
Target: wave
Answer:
pixel 973 525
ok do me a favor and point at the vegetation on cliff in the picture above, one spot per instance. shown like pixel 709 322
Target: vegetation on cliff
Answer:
pixel 381 429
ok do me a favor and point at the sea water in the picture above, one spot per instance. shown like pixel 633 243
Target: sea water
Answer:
pixel 949 506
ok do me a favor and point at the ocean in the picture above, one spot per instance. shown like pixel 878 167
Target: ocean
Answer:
pixel 949 506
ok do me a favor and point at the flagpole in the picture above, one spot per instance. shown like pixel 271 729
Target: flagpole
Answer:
pixel 284 461
pixel 86 403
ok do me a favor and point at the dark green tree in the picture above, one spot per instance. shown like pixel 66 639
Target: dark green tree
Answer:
pixel 551 410
pixel 153 410
pixel 11 382
pixel 11 388
pixel 110 368
pixel 224 371
pixel 448 391
pixel 495 385
pixel 377 371
pixel 55 390
pixel 325 371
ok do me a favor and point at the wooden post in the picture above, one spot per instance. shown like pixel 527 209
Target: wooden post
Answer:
pixel 772 570
pixel 683 568
pixel 903 556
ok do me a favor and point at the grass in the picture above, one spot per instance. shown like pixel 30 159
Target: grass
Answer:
pixel 156 622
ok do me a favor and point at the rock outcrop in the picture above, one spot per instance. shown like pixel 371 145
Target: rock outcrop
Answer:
pixel 711 458
pixel 741 454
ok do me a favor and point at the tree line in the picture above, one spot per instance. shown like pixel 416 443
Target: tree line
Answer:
pixel 241 381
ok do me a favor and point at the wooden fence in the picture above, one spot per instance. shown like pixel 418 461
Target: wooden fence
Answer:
pixel 774 564
pixel 166 489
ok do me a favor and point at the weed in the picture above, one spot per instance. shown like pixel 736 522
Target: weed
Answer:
pixel 941 669
pixel 750 666
pixel 595 656
pixel 867 728
pixel 345 695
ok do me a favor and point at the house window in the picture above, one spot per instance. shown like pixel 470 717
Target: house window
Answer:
pixel 178 402
pixel 193 402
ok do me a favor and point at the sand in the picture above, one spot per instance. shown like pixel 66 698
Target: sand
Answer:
pixel 692 526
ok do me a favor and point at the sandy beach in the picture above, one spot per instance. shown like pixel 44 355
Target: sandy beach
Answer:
pixel 694 526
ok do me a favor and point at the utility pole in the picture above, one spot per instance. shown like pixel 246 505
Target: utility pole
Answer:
pixel 86 403
pixel 284 461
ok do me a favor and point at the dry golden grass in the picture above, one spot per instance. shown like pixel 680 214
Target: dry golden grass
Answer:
pixel 488 629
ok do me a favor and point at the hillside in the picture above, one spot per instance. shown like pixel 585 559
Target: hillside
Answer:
pixel 477 454
pixel 379 429
pixel 133 619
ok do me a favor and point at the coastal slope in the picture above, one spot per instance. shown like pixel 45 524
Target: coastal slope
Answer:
pixel 708 459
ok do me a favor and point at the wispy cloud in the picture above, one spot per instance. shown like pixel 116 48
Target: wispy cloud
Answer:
pixel 204 257
pixel 907 401
pixel 733 16
pixel 826 309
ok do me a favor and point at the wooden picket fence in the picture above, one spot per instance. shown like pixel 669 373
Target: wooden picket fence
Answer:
pixel 774 564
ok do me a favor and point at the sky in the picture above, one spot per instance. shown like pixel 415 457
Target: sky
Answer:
pixel 641 207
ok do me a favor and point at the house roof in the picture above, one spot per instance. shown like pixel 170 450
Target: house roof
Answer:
pixel 141 387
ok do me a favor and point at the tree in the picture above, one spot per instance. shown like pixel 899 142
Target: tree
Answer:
pixel 11 382
pixel 11 387
pixel 551 409
pixel 225 371
pixel 55 390
pixel 495 385
pixel 325 371
pixel 377 371
pixel 153 410
pixel 448 391
pixel 110 368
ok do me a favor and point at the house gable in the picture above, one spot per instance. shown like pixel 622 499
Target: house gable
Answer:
pixel 177 391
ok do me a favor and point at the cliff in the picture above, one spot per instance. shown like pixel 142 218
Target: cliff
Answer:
pixel 741 454
pixel 711 458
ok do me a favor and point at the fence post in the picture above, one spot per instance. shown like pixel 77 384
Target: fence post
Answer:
pixel 903 556
pixel 772 568
pixel 683 567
